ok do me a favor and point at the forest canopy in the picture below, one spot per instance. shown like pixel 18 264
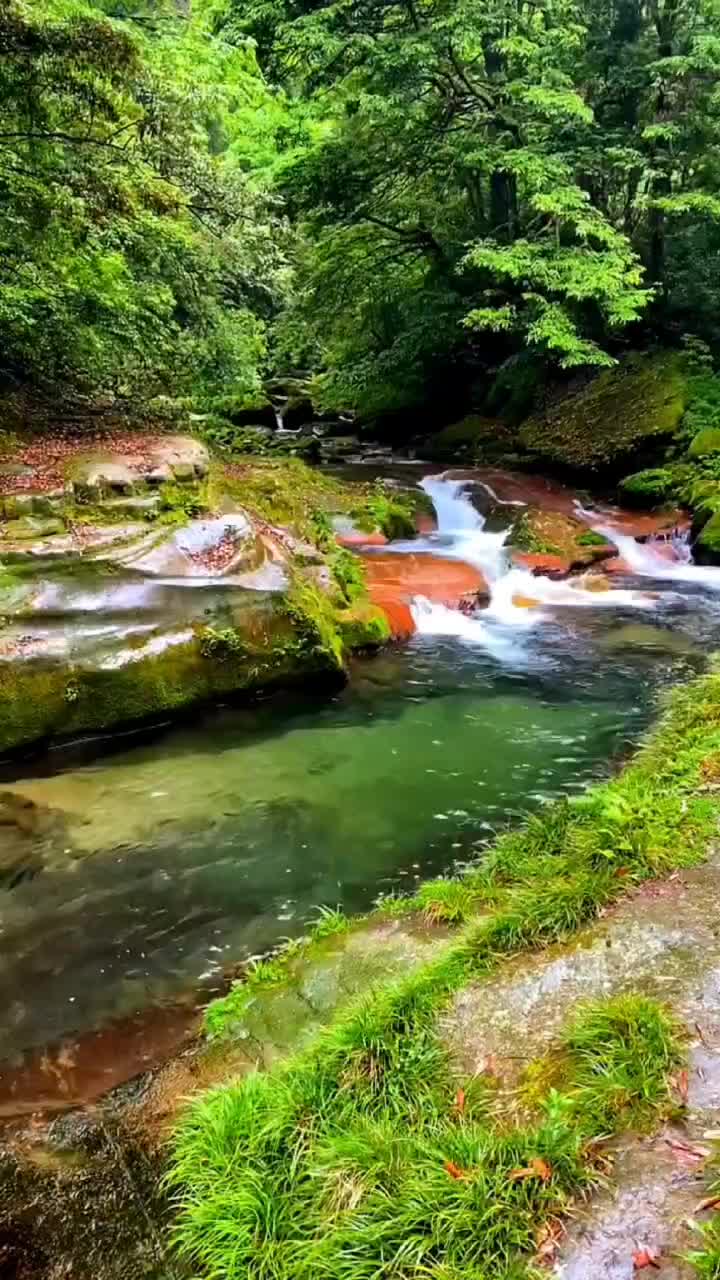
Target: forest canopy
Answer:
pixel 375 191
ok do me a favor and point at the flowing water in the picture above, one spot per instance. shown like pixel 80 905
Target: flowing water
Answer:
pixel 172 860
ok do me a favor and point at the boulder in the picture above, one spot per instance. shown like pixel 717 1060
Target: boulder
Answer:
pixel 97 476
pixel 647 489
pixel 706 549
pixel 32 528
pixel 620 414
pixel 538 535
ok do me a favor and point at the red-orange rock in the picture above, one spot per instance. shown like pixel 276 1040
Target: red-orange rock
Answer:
pixel 393 580
pixel 542 563
pixel 359 539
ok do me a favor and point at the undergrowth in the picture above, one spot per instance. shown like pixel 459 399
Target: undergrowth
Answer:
pixel 365 1160
pixel 706 1258
pixel 355 1159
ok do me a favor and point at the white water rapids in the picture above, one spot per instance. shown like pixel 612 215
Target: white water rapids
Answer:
pixel 462 535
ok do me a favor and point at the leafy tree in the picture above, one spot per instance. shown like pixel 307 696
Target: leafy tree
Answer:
pixel 485 174
pixel 135 259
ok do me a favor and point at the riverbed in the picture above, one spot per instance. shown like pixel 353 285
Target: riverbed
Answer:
pixel 179 856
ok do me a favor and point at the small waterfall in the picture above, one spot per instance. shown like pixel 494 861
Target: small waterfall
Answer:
pixel 645 558
pixel 461 529
pixel 454 511
pixel 518 598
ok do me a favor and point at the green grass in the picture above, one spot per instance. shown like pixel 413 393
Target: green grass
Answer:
pixel 706 1258
pixel 358 1162
pixel 353 1161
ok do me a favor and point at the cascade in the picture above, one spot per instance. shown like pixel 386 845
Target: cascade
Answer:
pixel 461 534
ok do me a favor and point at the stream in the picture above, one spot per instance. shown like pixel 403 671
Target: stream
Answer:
pixel 183 854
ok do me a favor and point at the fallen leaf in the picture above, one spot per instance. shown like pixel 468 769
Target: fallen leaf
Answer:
pixel 684 1148
pixel 547 1240
pixel 681 1083
pixel 455 1171
pixel 710 1202
pixel 537 1168
pixel 644 1258
pixel 487 1066
pixel 460 1101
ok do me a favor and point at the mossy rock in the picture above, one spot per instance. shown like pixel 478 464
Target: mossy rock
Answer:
pixel 707 545
pixel 650 488
pixel 468 439
pixel 254 409
pixel 622 412
pixel 45 699
pixel 539 532
pixel 705 443
pixel 363 626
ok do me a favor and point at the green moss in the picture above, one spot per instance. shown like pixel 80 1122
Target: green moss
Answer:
pixel 525 538
pixel 705 442
pixel 468 439
pixel 649 488
pixel 41 700
pixel 593 539
pixel 619 413
pixel 392 514
pixel 707 546
pixel 363 626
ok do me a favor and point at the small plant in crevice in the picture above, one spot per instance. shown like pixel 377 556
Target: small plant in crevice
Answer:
pixel 72 692
pixel 223 643
pixel 180 503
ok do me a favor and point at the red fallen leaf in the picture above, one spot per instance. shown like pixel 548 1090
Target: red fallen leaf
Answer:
pixel 644 1258
pixel 460 1101
pixel 681 1083
pixel 455 1171
pixel 689 1153
pixel 621 871
pixel 538 1168
pixel 711 1202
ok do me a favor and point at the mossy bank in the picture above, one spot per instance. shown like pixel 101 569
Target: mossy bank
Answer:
pixel 146 593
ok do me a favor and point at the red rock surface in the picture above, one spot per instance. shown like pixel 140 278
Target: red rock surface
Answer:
pixel 360 539
pixel 393 580
pixel 641 524
pixel 553 566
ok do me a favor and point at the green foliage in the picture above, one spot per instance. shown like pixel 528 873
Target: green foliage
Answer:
pixel 705 442
pixel 707 546
pixel 649 488
pixel 222 643
pixel 592 539
pixel 180 503
pixel 391 513
pixel 624 1052
pixel 524 538
pixel 706 1258
pixel 135 255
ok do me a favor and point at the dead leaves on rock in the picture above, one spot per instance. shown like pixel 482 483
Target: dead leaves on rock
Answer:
pixel 643 1258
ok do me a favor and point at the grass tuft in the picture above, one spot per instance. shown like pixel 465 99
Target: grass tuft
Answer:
pixel 356 1162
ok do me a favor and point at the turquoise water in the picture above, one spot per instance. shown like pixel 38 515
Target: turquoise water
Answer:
pixel 180 856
